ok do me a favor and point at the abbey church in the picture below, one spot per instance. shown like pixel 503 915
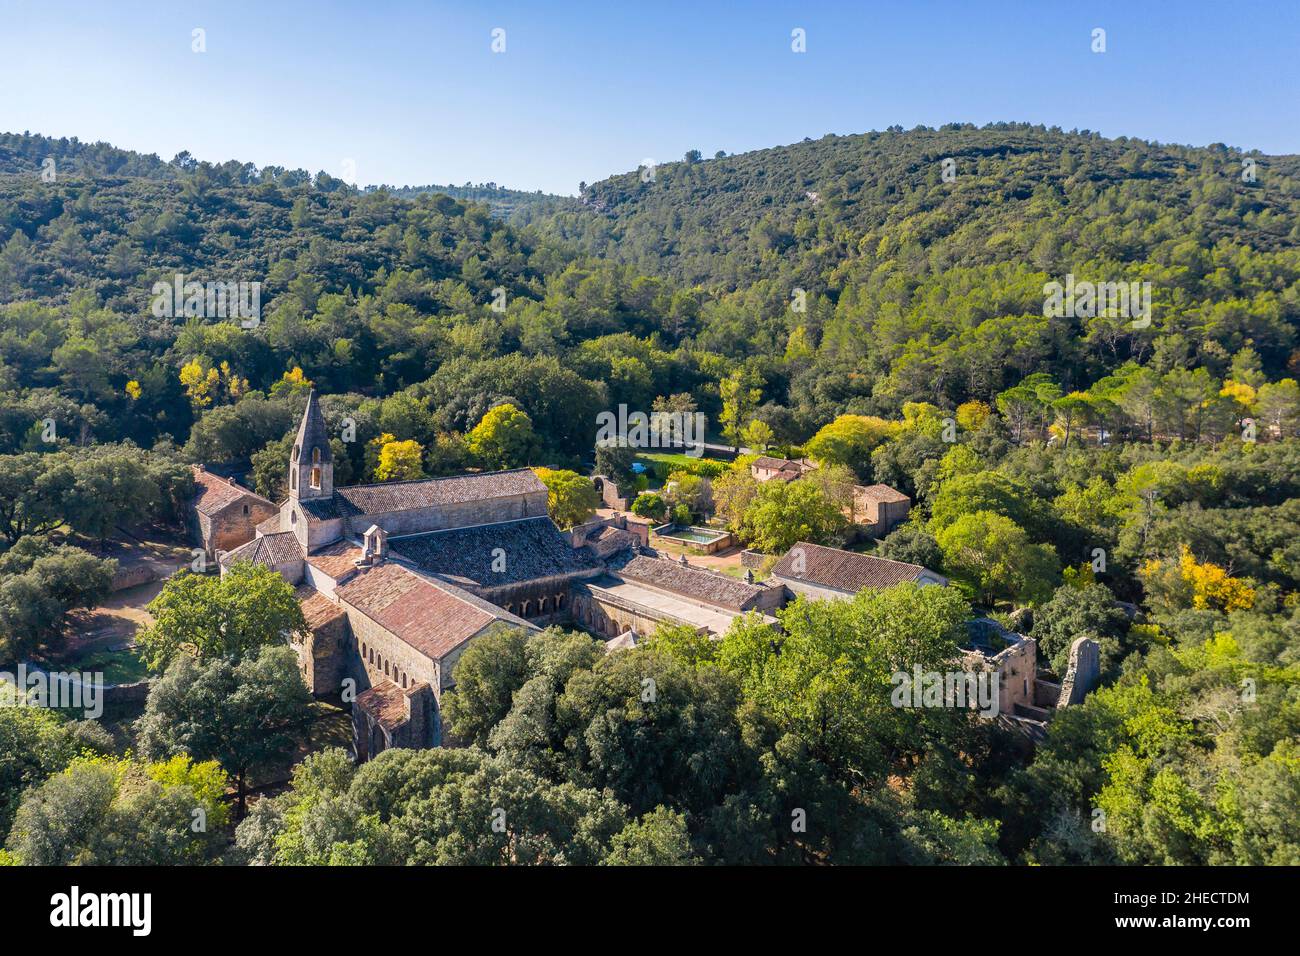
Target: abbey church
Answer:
pixel 397 579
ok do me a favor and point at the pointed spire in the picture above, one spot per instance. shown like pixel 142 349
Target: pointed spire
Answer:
pixel 312 433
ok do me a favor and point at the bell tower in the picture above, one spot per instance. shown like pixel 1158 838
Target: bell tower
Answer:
pixel 311 465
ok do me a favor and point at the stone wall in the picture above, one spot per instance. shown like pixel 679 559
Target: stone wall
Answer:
pixel 610 494
pixel 536 598
pixel 459 515
pixel 381 654
pixel 609 617
pixel 1084 671
pixel 230 527
pixel 325 655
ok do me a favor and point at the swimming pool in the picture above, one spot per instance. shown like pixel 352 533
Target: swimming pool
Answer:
pixel 706 539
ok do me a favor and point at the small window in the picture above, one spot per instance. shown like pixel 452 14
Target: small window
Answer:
pixel 315 456
pixel 245 511
pixel 315 478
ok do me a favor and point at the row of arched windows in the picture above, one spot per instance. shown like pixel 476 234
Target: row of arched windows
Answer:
pixel 537 607
pixel 378 663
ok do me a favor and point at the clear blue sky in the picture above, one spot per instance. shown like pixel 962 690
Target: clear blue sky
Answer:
pixel 413 94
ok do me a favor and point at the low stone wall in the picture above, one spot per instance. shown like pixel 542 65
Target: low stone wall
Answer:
pixel 135 575
pixel 725 540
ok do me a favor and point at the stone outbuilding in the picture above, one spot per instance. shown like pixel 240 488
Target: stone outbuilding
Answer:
pixel 223 513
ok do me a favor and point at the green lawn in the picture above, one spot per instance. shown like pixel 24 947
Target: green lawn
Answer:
pixel 118 667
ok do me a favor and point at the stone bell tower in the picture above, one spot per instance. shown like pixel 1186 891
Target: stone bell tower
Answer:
pixel 311 466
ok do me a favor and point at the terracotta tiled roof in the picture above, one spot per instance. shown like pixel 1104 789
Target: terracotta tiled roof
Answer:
pixel 269 550
pixel 336 560
pixel 317 608
pixel 405 495
pixel 533 548
pixel 431 620
pixel 781 464
pixel 881 493
pixel 270 526
pixel 386 703
pixel 212 493
pixel 844 570
pixel 690 582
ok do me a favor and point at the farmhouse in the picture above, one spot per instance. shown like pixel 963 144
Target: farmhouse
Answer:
pixel 764 468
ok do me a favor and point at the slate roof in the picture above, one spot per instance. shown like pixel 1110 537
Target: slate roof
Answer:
pixel 844 570
pixel 690 582
pixel 312 432
pixel 269 550
pixel 423 493
pixel 322 509
pixel 212 493
pixel 404 495
pixel 534 548
pixel 610 540
pixel 428 618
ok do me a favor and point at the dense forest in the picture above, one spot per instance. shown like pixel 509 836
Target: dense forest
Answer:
pixel 876 302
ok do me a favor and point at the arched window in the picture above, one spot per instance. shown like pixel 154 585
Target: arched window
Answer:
pixel 245 511
pixel 541 605
pixel 315 477
pixel 315 456
pixel 293 479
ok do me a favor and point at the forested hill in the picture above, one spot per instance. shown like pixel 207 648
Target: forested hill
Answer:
pixel 30 154
pixel 844 275
pixel 513 205
pixel 835 208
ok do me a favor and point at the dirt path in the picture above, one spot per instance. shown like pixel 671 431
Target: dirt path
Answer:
pixel 114 623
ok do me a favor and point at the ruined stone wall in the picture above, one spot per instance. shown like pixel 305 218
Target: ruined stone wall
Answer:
pixel 1084 671
pixel 1017 668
